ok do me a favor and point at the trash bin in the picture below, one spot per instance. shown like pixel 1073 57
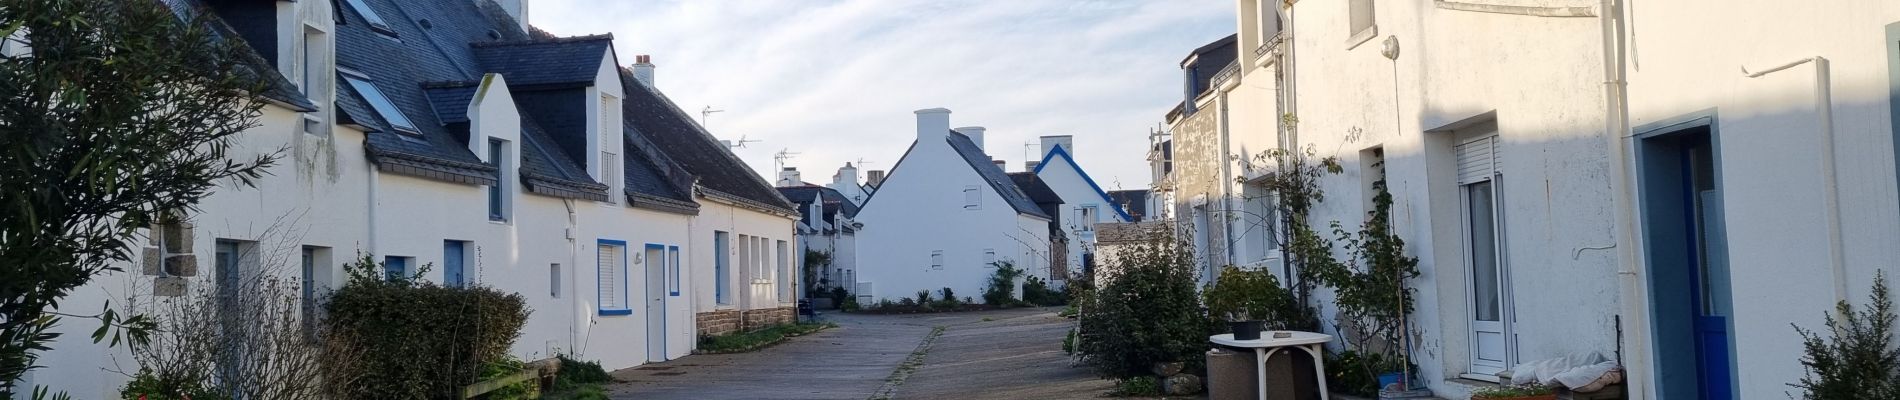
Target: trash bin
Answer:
pixel 1230 375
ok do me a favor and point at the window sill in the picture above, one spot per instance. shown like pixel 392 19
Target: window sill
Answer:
pixel 1362 37
pixel 616 312
pixel 501 222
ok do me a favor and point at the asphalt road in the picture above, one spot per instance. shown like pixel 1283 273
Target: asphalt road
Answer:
pixel 1006 354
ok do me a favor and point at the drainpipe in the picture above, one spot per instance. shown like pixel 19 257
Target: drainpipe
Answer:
pixel 1831 191
pixel 572 281
pixel 374 181
pixel 1616 129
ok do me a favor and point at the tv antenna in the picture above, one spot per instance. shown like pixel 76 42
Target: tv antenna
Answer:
pixel 778 159
pixel 707 112
pixel 740 144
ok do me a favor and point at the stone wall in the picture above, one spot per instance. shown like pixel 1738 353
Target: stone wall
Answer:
pixel 726 322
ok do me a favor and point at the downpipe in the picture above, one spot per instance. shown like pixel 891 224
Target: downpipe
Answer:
pixel 1629 278
pixel 1831 190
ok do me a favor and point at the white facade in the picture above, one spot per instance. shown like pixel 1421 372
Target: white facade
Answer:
pixel 936 222
pixel 1084 204
pixel 1459 105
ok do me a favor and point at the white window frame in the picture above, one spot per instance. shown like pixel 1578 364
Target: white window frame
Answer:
pixel 610 175
pixel 1362 19
pixel 972 197
pixel 1492 176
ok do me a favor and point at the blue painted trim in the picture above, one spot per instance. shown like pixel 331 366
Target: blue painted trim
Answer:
pixel 1707 119
pixel 673 269
pixel 624 296
pixel 1085 178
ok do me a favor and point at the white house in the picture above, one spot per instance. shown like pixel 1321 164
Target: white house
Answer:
pixel 1591 178
pixel 513 160
pixel 827 228
pixel 1084 202
pixel 742 263
pixel 943 215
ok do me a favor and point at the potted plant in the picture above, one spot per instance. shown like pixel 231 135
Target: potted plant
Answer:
pixel 1516 392
pixel 1247 300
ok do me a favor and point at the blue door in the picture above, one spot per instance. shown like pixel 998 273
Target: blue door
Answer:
pixel 1690 302
pixel 452 255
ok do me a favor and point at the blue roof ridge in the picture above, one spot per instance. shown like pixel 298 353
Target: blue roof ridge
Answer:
pixel 1085 178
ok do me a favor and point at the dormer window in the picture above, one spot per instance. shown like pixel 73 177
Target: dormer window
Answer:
pixel 369 15
pixel 381 104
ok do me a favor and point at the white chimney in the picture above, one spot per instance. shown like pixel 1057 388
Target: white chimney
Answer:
pixel 515 8
pixel 1031 165
pixel 933 125
pixel 1066 142
pixel 1000 164
pixel 847 176
pixel 976 135
pixel 643 70
pixel 789 178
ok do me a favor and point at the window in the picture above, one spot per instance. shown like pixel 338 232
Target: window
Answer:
pixel 1257 224
pixel 497 193
pixel 1268 14
pixel 784 272
pixel 989 256
pixel 722 267
pixel 396 267
pixel 762 259
pixel 609 120
pixel 381 104
pixel 369 15
pixel 612 277
pixel 313 64
pixel 610 175
pixel 936 260
pixel 314 261
pixel 673 271
pixel 1363 26
pixel 972 198
pixel 454 261
pixel 554 280
pixel 1085 218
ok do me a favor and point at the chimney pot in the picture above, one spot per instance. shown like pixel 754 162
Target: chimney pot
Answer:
pixel 643 69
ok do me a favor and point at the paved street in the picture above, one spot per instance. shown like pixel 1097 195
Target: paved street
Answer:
pixel 1016 354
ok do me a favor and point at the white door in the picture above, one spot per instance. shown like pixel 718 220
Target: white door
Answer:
pixel 655 263
pixel 1488 286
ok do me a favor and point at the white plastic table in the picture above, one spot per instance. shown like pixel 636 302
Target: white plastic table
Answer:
pixel 1266 345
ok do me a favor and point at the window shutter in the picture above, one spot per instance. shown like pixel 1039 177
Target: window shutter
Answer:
pixel 610 280
pixel 1477 160
pixel 972 197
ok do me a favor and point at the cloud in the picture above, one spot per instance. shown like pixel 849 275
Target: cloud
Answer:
pixel 836 81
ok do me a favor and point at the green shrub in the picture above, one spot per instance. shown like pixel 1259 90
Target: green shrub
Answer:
pixel 579 372
pixel 1346 371
pixel 749 341
pixel 1859 361
pixel 850 304
pixel 1137 386
pixel 1037 292
pixel 1001 289
pixel 839 296
pixel 149 386
pixel 923 297
pixel 1147 312
pixel 1068 343
pixel 1510 391
pixel 1243 295
pixel 418 339
pixel 505 367
pixel 947 300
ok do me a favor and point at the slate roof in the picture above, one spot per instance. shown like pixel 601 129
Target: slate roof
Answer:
pixel 652 115
pixel 1045 198
pixel 559 62
pixel 1134 201
pixel 994 175
pixel 252 62
pixel 431 75
pixel 834 203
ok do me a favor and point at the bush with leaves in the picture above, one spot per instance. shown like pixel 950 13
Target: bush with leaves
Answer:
pixel 117 113
pixel 1146 313
pixel 1000 290
pixel 421 339
pixel 1370 289
pixel 1244 295
pixel 1037 292
pixel 1859 361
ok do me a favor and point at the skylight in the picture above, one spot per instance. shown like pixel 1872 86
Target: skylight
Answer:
pixel 369 14
pixel 382 104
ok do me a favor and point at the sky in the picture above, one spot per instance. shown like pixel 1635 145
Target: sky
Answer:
pixel 837 81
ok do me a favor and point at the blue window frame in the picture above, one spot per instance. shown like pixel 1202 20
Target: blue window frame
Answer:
pixel 496 210
pixel 395 268
pixel 722 266
pixel 454 257
pixel 611 273
pixel 381 104
pixel 673 271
